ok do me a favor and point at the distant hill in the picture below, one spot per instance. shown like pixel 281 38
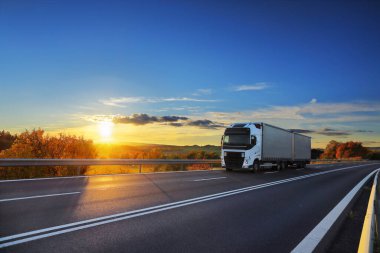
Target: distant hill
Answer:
pixel 150 150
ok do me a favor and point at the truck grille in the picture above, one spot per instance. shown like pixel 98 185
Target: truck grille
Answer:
pixel 234 160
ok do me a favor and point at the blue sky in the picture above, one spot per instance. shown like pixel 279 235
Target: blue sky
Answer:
pixel 310 65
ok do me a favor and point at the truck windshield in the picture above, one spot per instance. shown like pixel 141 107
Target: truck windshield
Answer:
pixel 236 140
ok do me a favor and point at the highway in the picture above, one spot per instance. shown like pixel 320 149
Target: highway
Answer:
pixel 200 211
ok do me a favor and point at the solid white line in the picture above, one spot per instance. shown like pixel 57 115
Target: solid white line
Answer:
pixel 104 175
pixel 206 179
pixel 40 196
pixel 70 227
pixel 311 241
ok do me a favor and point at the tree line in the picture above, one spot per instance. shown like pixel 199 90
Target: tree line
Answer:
pixel 38 144
pixel 347 150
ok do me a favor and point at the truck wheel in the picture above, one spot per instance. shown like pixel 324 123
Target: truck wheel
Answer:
pixel 283 165
pixel 256 167
pixel 278 167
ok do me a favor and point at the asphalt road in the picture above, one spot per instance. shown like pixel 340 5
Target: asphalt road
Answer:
pixel 168 212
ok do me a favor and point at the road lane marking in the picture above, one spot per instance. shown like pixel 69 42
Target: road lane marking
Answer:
pixel 40 196
pixel 300 169
pixel 105 175
pixel 71 227
pixel 270 172
pixel 207 179
pixel 311 241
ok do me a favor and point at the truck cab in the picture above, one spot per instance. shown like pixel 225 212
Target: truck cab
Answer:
pixel 241 145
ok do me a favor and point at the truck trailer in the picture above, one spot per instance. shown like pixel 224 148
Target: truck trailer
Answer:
pixel 253 146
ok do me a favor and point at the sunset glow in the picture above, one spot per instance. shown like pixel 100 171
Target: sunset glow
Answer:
pixel 132 78
pixel 105 130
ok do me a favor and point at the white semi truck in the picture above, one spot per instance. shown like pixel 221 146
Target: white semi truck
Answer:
pixel 253 146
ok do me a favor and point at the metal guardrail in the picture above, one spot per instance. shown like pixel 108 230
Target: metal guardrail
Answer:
pixel 367 237
pixel 83 162
pixel 11 162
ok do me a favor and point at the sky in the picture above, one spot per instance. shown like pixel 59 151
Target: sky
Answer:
pixel 178 72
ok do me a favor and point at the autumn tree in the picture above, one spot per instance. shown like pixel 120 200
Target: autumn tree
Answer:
pixel 35 144
pixel 351 149
pixel 337 150
pixel 330 150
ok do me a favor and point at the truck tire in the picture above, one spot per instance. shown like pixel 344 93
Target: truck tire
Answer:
pixel 283 165
pixel 256 167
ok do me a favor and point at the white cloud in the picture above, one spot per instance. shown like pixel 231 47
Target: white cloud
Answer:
pixel 121 101
pixel 118 102
pixel 313 101
pixel 257 86
pixel 185 99
pixel 294 116
pixel 338 108
pixel 202 92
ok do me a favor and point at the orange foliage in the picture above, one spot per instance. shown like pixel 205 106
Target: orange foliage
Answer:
pixel 337 150
pixel 35 144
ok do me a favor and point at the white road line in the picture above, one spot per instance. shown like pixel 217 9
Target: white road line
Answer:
pixel 39 196
pixel 70 227
pixel 300 169
pixel 311 241
pixel 270 172
pixel 105 175
pixel 207 179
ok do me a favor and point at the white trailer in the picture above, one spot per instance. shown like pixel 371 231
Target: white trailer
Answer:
pixel 259 145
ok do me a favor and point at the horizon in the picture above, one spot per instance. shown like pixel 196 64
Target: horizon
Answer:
pixel 178 73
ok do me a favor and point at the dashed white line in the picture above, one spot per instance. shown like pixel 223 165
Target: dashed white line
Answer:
pixel 102 175
pixel 39 196
pixel 207 179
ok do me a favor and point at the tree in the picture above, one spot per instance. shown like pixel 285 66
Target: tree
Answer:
pixel 35 144
pixel 337 150
pixel 330 150
pixel 6 140
pixel 351 149
pixel 316 153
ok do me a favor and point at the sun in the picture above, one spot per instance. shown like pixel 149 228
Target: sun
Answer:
pixel 105 129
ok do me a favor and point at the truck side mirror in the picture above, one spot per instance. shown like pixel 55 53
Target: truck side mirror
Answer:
pixel 253 140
